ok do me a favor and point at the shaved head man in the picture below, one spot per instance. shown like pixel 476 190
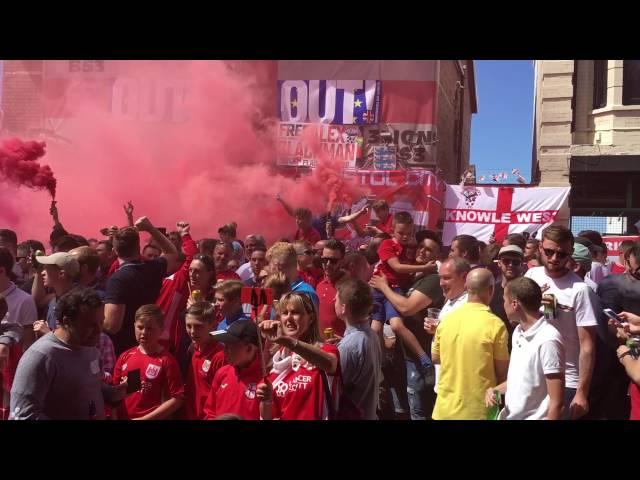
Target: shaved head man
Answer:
pixel 471 347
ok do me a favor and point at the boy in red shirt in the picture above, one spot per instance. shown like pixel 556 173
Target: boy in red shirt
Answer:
pixel 162 390
pixel 234 385
pixel 396 265
pixel 207 358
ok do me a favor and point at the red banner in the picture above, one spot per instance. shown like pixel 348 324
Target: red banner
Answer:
pixel 613 243
pixel 419 192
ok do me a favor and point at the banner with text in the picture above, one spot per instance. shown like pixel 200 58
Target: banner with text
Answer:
pixel 483 211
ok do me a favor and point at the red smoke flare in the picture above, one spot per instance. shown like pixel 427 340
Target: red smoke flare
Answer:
pixel 329 174
pixel 19 165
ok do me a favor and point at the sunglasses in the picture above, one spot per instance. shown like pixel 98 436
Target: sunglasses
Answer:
pixel 332 261
pixel 560 255
pixel 511 262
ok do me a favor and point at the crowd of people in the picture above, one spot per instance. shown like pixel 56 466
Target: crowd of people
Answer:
pixel 391 325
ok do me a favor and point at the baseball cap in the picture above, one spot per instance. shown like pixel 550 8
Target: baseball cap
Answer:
pixel 240 330
pixel 64 260
pixel 581 255
pixel 511 249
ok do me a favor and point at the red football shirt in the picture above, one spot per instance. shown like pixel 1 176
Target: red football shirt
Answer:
pixel 617 269
pixel 307 278
pixel 228 275
pixel 327 312
pixel 160 378
pixel 312 236
pixel 634 393
pixel 387 225
pixel 234 391
pixel 173 298
pixel 204 365
pixel 300 393
pixel 388 249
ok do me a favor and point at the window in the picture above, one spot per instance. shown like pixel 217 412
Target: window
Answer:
pixel 599 83
pixel 631 83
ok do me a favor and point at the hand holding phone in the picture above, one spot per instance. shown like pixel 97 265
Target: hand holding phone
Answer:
pixel 133 381
pixel 612 315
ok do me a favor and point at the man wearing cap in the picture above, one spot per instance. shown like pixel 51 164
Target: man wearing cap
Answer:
pixel 511 263
pixel 233 389
pixel 581 264
pixel 59 273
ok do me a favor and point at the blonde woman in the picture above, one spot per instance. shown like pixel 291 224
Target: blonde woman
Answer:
pixel 303 364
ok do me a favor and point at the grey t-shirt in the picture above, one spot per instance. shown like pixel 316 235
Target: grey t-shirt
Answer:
pixel 54 381
pixel 360 365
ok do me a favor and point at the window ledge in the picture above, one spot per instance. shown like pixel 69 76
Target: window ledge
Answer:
pixel 616 108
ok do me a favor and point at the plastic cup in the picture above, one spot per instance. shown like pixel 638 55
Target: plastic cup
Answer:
pixel 434 315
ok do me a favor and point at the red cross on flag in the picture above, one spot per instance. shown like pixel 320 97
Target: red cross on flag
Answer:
pixel 482 211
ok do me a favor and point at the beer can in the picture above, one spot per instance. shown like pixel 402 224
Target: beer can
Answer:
pixel 328 332
pixel 550 310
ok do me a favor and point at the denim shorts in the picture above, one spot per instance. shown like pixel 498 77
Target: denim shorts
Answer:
pixel 383 310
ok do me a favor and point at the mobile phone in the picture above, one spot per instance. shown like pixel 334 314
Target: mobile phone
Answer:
pixel 612 315
pixel 133 381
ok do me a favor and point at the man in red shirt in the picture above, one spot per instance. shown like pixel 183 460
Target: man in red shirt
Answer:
pixel 306 269
pixel 385 219
pixel 303 218
pixel 305 230
pixel 221 256
pixel 234 386
pixel 332 257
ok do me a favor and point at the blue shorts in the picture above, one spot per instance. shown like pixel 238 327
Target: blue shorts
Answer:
pixel 383 310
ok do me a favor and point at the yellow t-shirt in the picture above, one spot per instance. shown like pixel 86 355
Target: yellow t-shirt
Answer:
pixel 468 341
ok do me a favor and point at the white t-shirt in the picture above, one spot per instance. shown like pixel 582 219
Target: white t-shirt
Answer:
pixel 537 352
pixel 449 306
pixel 245 272
pixel 575 309
pixel 597 273
pixel 22 307
pixel 591 284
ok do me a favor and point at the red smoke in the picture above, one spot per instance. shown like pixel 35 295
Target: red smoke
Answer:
pixel 206 156
pixel 329 175
pixel 19 165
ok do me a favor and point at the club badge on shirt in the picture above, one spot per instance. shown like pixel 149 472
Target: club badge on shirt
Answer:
pixel 152 371
pixel 206 365
pixel 250 392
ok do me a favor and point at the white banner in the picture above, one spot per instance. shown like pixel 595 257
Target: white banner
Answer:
pixel 483 211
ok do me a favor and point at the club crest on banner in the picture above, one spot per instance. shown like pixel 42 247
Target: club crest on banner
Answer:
pixel 470 196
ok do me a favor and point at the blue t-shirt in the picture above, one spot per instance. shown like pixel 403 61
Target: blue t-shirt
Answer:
pixel 226 321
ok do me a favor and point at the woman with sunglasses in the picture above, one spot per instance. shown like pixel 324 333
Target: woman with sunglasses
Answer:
pixel 303 365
